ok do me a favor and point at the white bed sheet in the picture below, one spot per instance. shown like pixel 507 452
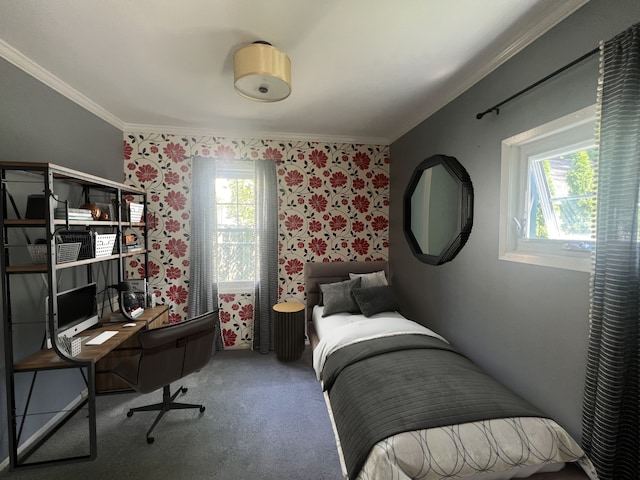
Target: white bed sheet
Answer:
pixel 342 329
pixel 442 453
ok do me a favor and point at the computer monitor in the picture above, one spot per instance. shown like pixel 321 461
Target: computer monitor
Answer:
pixel 77 310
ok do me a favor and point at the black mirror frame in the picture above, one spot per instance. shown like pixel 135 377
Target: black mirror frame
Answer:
pixel 453 166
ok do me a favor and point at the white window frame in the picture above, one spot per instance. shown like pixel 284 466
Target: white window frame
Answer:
pixel 574 129
pixel 237 170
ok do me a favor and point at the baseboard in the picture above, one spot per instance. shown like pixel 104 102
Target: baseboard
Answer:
pixel 43 431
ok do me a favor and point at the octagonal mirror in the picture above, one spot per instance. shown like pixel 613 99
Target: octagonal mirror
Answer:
pixel 438 209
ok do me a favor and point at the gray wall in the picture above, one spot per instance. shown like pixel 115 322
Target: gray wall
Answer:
pixel 38 124
pixel 526 325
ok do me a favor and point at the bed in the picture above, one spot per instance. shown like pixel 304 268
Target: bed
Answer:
pixel 404 403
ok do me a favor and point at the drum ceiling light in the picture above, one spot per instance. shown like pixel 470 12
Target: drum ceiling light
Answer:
pixel 262 73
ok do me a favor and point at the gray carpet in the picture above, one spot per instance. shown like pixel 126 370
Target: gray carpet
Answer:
pixel 264 419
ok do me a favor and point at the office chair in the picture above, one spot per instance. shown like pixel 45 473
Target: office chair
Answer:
pixel 167 354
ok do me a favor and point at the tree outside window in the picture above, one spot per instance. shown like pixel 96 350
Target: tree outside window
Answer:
pixel 236 228
pixel 562 202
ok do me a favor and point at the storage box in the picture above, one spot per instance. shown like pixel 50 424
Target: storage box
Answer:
pixel 72 346
pixel 65 252
pixel 104 244
pixel 135 212
pixel 84 237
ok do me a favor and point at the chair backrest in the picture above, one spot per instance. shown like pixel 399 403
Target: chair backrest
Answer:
pixel 174 351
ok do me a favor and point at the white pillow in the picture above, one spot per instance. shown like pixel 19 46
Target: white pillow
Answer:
pixel 375 279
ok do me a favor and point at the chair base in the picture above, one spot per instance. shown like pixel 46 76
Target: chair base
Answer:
pixel 163 407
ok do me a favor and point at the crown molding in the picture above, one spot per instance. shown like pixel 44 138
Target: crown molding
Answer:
pixel 16 58
pixel 531 32
pixel 132 128
pixel 36 71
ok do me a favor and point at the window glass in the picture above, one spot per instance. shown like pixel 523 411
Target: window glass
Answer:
pixel 561 201
pixel 236 233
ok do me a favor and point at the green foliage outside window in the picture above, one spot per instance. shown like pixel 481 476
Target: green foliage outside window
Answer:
pixel 575 211
pixel 581 181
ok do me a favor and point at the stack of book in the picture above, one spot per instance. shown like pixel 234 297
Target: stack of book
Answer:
pixel 74 214
pixel 131 247
pixel 130 244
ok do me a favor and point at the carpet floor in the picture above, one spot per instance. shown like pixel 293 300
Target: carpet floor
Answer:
pixel 264 419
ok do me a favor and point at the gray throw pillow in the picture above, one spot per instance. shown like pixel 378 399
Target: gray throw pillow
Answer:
pixel 337 297
pixel 374 300
pixel 373 279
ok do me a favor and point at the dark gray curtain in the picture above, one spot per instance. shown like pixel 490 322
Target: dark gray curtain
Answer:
pixel 610 413
pixel 266 295
pixel 203 287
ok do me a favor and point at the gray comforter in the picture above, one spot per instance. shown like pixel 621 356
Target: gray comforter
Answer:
pixel 385 386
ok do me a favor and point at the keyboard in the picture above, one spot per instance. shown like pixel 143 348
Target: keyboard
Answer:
pixel 101 338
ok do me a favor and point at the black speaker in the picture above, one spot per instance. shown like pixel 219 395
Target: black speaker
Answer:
pixel 36 207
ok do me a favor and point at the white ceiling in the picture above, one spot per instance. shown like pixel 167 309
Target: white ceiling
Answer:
pixel 363 71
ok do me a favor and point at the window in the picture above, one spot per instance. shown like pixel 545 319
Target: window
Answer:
pixel 236 227
pixel 548 201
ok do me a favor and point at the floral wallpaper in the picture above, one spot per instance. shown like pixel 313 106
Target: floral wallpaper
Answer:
pixel 333 206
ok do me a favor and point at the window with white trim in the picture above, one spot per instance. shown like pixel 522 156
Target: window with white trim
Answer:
pixel 236 227
pixel 547 193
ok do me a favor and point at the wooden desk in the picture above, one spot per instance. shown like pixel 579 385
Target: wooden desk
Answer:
pixel 49 359
pixel 103 355
pixel 153 317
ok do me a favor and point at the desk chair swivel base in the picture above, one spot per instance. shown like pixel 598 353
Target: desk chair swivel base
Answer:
pixel 164 406
pixel 166 355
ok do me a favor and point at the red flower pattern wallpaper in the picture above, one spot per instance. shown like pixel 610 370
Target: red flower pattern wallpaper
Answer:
pixel 333 207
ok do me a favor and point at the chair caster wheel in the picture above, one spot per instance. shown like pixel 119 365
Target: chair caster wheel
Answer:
pixel 150 440
pixel 184 390
pixel 202 409
pixel 130 413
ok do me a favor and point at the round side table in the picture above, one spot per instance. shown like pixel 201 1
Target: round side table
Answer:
pixel 289 331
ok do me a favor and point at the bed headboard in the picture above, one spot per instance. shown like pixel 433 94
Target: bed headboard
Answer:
pixel 316 273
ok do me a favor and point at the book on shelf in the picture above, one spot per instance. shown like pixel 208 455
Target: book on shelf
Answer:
pixel 74 214
pixel 132 247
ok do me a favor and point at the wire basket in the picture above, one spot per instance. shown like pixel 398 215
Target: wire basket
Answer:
pixel 65 252
pixel 105 244
pixel 38 253
pixel 83 236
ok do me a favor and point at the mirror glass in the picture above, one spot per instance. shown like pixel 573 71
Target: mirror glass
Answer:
pixel 438 209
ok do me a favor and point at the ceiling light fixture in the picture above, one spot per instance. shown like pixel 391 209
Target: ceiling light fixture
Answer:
pixel 262 73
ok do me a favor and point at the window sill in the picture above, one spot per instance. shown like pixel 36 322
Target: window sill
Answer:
pixel 236 287
pixel 578 262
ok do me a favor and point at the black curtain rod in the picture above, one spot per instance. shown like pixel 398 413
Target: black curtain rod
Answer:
pixel 496 108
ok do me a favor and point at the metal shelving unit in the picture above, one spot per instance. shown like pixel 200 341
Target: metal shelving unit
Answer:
pixel 54 182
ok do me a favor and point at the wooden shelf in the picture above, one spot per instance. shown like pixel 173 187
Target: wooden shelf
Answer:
pixel 29 222
pixel 43 268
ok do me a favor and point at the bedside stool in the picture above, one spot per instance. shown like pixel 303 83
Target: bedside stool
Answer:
pixel 289 331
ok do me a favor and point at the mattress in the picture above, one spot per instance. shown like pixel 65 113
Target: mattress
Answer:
pixel 494 449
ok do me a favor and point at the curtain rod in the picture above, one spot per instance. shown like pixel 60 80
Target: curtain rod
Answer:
pixel 496 108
